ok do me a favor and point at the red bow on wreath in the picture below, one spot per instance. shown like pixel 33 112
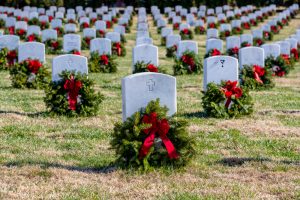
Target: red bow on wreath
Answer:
pixel 258 72
pixel 31 38
pixel 11 56
pixel 104 59
pixel 118 48
pixel 88 40
pixel 294 51
pixel 152 68
pixel 34 66
pixel 73 87
pixel 161 128
pixel 230 89
pixel 21 32
pixel 55 44
pixel 215 52
pixel 108 24
pixel 11 30
pixel 185 31
pixel 101 32
pixel 189 61
pixel 85 25
pixel 235 50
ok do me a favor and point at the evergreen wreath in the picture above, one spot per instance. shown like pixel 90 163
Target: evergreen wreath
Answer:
pixel 44 25
pixel 33 38
pixel 188 63
pixel 3 58
pixel 279 66
pixel 29 73
pixel 237 30
pixel 212 52
pixel 246 25
pixel 234 52
pixel 123 38
pixel 225 34
pixel 85 42
pixel 34 21
pixel 246 44
pixel 200 30
pixel 53 46
pixel 7 58
pixel 226 100
pixel 75 52
pixel 127 28
pixel 73 95
pixel 171 51
pixel 268 35
pixel 258 42
pixel 141 66
pixel 149 139
pixel 102 63
pixel 212 25
pixel 186 34
pixel 84 25
pixel 176 26
pixel 253 22
pixel 2 23
pixel 275 29
pixel 118 49
pixel 21 33
pixel 256 77
pixel 100 33
pixel 60 31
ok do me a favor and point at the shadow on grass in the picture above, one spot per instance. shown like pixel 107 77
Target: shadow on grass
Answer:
pixel 45 164
pixel 236 161
pixel 199 114
pixel 266 112
pixel 33 115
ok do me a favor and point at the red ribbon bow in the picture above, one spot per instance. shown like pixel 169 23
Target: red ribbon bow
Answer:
pixel 212 25
pixel 215 52
pixel 118 48
pixel 258 72
pixel 108 24
pixel 161 128
pixel 88 40
pixel 34 66
pixel 235 50
pixel 189 60
pixel 101 33
pixel 31 38
pixel 152 68
pixel 294 51
pixel 11 56
pixel 85 25
pixel 11 30
pixel 104 59
pixel 72 86
pixel 185 31
pixel 55 44
pixel 231 89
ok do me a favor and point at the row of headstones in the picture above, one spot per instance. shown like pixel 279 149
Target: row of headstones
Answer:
pixel 70 42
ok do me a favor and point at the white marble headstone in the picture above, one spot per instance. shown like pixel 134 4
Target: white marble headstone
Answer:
pixel 285 47
pixel 102 45
pixel 11 42
pixel 141 88
pixel 187 45
pixel 113 36
pixel 172 40
pixel 233 41
pixel 214 44
pixel 251 56
pixel 146 53
pixel 49 34
pixel 33 50
pixel 71 42
pixel 271 50
pixel 68 62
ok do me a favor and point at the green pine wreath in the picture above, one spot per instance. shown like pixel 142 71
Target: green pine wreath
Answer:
pixel 53 46
pixel 29 73
pixel 226 100
pixel 88 101
pixel 171 51
pixel 248 77
pixel 200 30
pixel 188 63
pixel 118 49
pixel 33 38
pixel 102 63
pixel 34 21
pixel 279 66
pixel 141 66
pixel 186 34
pixel 128 138
pixel 85 43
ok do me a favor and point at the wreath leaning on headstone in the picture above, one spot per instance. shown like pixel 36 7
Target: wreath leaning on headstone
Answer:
pixel 53 46
pixel 188 63
pixel 118 49
pixel 142 66
pixel 150 139
pixel 30 73
pixel 171 51
pixel 72 95
pixel 102 63
pixel 226 100
pixel 279 66
pixel 256 77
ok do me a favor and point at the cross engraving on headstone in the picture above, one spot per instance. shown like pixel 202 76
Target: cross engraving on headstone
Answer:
pixel 70 63
pixel 150 83
pixel 222 62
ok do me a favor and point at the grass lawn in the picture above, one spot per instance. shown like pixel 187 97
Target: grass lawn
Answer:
pixel 255 157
